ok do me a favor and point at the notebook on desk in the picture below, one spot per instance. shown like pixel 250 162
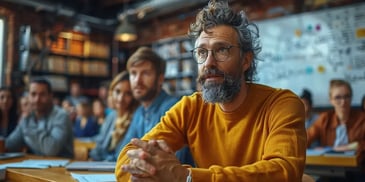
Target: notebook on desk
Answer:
pixel 340 153
pixel 9 155
pixel 91 166
pixel 328 151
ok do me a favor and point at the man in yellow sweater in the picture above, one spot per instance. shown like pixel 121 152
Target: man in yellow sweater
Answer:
pixel 236 130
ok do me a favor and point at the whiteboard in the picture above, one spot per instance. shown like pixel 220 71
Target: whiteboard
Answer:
pixel 309 49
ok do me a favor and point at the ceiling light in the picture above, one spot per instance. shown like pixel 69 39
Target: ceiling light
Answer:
pixel 82 27
pixel 125 31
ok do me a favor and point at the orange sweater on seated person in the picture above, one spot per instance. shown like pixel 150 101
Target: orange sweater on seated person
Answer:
pixel 263 140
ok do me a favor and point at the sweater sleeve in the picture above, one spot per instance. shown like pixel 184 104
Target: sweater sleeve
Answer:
pixel 283 151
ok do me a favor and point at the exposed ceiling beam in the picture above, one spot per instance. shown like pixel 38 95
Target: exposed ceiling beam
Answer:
pixel 108 3
pixel 58 9
pixel 152 8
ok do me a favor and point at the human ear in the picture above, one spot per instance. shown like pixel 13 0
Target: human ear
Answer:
pixel 247 60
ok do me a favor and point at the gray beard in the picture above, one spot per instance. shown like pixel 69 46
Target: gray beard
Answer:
pixel 221 92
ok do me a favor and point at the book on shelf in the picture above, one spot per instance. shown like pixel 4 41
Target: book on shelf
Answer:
pixel 96 49
pixel 95 68
pixel 60 46
pixel 186 46
pixel 59 83
pixel 76 47
pixel 74 66
pixel 172 68
pixel 56 64
pixel 188 66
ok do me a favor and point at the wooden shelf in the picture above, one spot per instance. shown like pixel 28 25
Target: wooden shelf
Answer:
pixel 70 58
pixel 181 69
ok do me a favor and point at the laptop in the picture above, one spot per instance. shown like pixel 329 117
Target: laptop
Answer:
pixel 91 166
pixel 10 155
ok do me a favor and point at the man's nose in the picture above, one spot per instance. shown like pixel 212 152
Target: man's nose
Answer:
pixel 210 59
pixel 139 78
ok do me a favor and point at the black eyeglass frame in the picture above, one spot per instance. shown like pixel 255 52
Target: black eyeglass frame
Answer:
pixel 228 48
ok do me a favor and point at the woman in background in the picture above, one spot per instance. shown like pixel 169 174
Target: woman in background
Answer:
pixel 310 116
pixel 343 128
pixel 70 109
pixel 85 124
pixel 8 111
pixel 117 122
pixel 99 111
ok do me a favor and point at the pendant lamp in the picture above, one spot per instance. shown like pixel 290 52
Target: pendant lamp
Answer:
pixel 125 32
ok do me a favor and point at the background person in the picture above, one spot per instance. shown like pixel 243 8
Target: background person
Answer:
pixel 117 122
pixel 85 124
pixel 70 109
pixel 147 70
pixel 98 110
pixel 75 94
pixel 310 116
pixel 8 111
pixel 342 128
pixel 47 130
pixel 103 92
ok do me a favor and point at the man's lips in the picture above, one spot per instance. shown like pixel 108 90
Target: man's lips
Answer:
pixel 212 76
pixel 139 87
pixel 139 90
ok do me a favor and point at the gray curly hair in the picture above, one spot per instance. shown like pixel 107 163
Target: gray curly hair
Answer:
pixel 218 12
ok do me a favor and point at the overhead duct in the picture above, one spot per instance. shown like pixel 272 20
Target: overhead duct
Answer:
pixel 138 12
pixel 153 8
pixel 64 11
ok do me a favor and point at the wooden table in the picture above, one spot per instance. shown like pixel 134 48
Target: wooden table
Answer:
pixel 39 175
pixel 53 174
pixel 344 161
pixel 336 166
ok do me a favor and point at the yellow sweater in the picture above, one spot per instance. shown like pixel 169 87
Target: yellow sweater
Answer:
pixel 263 140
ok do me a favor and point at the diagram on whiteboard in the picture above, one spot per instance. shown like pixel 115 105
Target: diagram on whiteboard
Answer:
pixel 308 50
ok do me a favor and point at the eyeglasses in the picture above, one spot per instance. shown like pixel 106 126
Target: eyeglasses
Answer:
pixel 220 54
pixel 338 98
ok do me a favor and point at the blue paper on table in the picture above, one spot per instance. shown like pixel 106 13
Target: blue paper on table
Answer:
pixel 38 164
pixel 48 162
pixel 318 151
pixel 110 177
pixel 22 165
pixel 328 151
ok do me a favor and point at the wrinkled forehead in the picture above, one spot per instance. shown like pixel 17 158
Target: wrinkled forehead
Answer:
pixel 218 34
